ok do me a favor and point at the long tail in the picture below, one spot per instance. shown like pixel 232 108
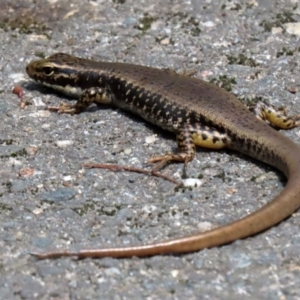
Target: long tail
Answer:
pixel 271 214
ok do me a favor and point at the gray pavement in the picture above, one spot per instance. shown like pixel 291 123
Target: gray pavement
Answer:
pixel 49 201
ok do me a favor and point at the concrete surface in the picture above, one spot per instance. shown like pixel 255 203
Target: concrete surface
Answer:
pixel 49 201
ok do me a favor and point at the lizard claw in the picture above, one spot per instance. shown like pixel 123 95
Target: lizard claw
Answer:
pixel 63 108
pixel 160 161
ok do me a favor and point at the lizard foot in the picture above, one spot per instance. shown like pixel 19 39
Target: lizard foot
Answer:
pixel 63 108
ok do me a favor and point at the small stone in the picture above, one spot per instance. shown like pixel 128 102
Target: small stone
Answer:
pixel 59 195
pixel 151 139
pixel 276 30
pixel 63 144
pixel 292 89
pixel 165 41
pixel 191 182
pixel 292 28
pixel 37 211
pixel 40 114
pixel 17 77
pixel 209 24
pixel 127 151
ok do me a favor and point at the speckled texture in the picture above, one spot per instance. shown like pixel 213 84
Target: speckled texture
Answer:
pixel 124 208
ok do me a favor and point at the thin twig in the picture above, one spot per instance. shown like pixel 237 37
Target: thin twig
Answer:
pixel 131 169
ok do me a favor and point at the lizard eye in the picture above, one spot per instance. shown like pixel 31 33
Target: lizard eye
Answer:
pixel 47 71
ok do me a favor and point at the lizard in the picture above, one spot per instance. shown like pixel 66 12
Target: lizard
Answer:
pixel 199 113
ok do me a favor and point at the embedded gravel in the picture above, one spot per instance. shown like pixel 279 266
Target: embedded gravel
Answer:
pixel 49 201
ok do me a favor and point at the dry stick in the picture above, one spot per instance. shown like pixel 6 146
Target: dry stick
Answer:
pixel 131 169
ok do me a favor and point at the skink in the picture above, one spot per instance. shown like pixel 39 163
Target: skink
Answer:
pixel 198 113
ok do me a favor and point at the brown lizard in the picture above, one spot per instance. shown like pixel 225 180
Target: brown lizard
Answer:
pixel 199 113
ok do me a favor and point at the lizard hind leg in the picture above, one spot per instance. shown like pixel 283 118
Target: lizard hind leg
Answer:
pixel 275 116
pixel 185 154
pixel 187 138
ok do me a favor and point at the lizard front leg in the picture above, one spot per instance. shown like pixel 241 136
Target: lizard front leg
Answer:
pixel 89 96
